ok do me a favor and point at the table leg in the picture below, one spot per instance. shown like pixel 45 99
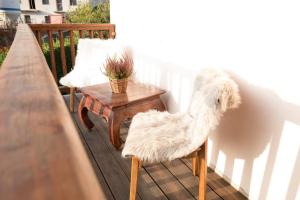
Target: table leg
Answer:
pixel 83 114
pixel 160 105
pixel 114 123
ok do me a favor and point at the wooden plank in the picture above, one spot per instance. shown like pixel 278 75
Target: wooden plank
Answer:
pixel 73 27
pixel 72 99
pixel 167 182
pixel 101 36
pixel 145 180
pixel 52 56
pixel 64 89
pixel 219 185
pixel 112 32
pixel 41 154
pixel 222 187
pixel 100 177
pixel 80 34
pixel 91 34
pixel 134 177
pixel 202 159
pixel 39 39
pixel 62 52
pixel 113 173
pixel 136 92
pixel 185 177
pixel 72 46
pixel 147 188
pixel 77 27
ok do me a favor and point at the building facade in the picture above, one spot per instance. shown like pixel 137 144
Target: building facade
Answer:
pixel 9 12
pixel 48 11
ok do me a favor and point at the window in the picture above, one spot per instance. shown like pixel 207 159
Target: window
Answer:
pixel 47 19
pixel 27 19
pixel 31 4
pixel 45 2
pixel 73 2
pixel 59 5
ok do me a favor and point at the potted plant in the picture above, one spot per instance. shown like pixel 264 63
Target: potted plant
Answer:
pixel 118 69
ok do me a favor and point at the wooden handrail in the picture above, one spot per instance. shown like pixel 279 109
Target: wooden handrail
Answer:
pixel 74 27
pixel 41 155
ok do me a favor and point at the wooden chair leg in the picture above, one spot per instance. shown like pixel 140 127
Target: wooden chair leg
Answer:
pixel 72 98
pixel 140 164
pixel 134 177
pixel 195 166
pixel 203 171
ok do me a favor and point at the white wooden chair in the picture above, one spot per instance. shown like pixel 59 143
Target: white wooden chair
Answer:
pixel 91 56
pixel 160 136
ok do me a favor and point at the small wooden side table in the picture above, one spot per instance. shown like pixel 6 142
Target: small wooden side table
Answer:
pixel 115 108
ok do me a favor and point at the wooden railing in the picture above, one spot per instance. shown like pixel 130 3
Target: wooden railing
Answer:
pixel 41 156
pixel 61 65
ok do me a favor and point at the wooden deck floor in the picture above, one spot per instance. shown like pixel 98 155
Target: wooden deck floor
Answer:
pixel 170 180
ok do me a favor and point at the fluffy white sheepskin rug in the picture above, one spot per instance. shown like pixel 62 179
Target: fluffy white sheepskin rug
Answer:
pixel 159 136
pixel 91 56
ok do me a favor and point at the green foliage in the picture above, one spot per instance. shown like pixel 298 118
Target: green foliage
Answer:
pixel 86 13
pixel 46 51
pixel 56 45
pixel 3 53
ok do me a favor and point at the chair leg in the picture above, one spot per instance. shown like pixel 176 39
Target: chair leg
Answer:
pixel 72 98
pixel 203 171
pixel 195 166
pixel 140 164
pixel 134 176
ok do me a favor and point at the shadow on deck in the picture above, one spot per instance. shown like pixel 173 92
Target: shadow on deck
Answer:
pixel 170 180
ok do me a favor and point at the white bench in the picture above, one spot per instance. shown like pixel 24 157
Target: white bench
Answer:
pixel 90 58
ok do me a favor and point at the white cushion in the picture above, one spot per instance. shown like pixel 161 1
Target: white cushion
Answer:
pixel 90 58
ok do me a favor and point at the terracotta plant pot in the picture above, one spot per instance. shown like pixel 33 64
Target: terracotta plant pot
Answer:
pixel 118 85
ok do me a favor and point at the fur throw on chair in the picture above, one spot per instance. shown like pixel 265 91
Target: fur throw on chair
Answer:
pixel 159 136
pixel 91 56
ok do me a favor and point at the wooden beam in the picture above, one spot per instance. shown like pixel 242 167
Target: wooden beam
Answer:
pixel 41 154
pixel 52 56
pixel 72 46
pixel 39 39
pixel 62 52
pixel 80 33
pixel 77 27
pixel 203 171
pixel 83 31
pixel 134 177
pixel 91 34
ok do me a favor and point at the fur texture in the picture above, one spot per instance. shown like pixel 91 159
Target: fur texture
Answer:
pixel 91 56
pixel 159 136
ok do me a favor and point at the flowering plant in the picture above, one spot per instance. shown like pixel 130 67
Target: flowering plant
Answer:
pixel 119 67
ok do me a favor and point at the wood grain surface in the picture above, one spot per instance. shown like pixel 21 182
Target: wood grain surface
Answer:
pixel 169 180
pixel 41 155
pixel 135 92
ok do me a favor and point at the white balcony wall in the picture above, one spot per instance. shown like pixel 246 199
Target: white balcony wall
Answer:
pixel 256 147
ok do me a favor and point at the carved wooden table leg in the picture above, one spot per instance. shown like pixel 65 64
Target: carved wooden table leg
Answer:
pixel 114 123
pixel 160 105
pixel 115 108
pixel 116 117
pixel 83 114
